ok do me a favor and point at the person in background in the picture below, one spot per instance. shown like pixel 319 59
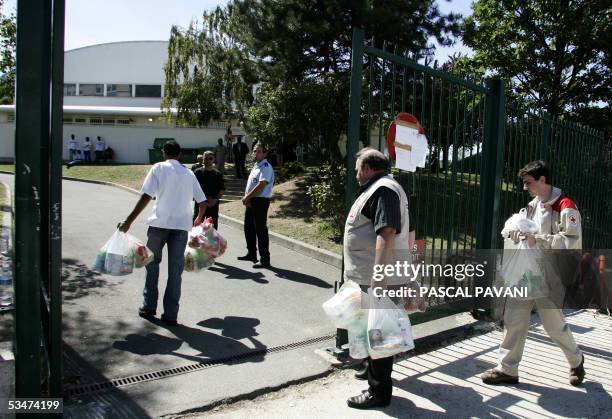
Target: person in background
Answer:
pixel 212 183
pixel 199 163
pixel 78 159
pixel 73 146
pixel 240 151
pixel 257 201
pixel 87 150
pixel 220 155
pixel 174 188
pixel 99 148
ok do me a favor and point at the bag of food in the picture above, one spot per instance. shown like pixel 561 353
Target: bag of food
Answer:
pixel 197 259
pixel 345 306
pixel 525 269
pixel 389 330
pixel 207 238
pixel 357 336
pixel 120 254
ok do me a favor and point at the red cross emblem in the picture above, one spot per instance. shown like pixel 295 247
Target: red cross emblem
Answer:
pixel 572 219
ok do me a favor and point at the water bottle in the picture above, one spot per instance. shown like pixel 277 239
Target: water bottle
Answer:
pixel 6 290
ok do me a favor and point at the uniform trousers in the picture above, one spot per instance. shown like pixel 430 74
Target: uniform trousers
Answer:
pixel 256 228
pixel 517 316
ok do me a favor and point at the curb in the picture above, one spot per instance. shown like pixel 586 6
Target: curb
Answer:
pixel 321 255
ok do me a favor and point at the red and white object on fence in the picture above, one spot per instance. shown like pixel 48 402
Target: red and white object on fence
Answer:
pixel 407 143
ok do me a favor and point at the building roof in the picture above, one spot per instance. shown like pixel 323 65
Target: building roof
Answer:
pixel 103 110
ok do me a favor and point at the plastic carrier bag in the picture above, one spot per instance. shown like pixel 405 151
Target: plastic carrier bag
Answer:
pixel 389 331
pixel 121 254
pixel 344 307
pixel 208 239
pixel 197 259
pixel 525 269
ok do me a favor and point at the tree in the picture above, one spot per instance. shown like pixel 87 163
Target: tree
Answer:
pixel 299 51
pixel 8 47
pixel 555 53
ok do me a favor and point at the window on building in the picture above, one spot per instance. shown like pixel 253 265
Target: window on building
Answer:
pixel 91 90
pixel 95 121
pixel 68 120
pixel 79 120
pixel 70 89
pixel 148 90
pixel 11 117
pixel 123 122
pixel 119 90
pixel 108 121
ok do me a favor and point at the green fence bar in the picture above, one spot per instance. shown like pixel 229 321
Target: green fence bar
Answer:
pixel 31 134
pixel 54 333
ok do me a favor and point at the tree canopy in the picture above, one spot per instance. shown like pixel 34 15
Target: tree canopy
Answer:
pixel 556 53
pixel 297 54
pixel 8 48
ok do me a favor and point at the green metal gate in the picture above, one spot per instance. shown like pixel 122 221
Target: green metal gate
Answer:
pixel 37 220
pixel 477 145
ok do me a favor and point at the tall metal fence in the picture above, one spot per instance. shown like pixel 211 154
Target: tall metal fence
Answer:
pixel 477 144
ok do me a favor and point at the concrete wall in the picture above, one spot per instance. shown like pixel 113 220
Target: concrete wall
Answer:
pixel 131 144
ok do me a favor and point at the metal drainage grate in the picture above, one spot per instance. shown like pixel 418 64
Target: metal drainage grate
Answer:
pixel 156 375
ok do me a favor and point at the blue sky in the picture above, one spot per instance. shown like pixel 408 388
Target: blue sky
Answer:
pixel 90 22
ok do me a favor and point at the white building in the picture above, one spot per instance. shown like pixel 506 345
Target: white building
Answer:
pixel 114 91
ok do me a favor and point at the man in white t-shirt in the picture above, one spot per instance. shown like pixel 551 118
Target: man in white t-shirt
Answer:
pixel 73 146
pixel 257 201
pixel 100 146
pixel 174 187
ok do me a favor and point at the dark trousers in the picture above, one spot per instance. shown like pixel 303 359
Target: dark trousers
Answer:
pixel 379 376
pixel 256 228
pixel 240 169
pixel 210 212
pixel 98 156
pixel 87 156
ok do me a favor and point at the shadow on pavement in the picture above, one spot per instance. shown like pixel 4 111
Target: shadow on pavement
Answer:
pixel 300 277
pixel 78 280
pixel 232 272
pixel 210 346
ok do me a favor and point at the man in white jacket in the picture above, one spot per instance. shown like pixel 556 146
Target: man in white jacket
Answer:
pixel 558 220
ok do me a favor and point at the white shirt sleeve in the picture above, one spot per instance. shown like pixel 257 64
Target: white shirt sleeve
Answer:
pixel 198 194
pixel 266 173
pixel 151 183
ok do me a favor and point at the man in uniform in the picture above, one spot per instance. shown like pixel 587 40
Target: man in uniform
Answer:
pixel 558 221
pixel 377 232
pixel 257 201
pixel 174 187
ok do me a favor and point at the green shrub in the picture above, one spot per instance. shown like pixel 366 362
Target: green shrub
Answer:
pixel 289 170
pixel 327 196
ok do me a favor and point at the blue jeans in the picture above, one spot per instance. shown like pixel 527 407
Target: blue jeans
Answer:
pixel 176 241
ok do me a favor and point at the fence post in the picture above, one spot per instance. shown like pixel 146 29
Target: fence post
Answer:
pixel 490 181
pixel 31 185
pixel 352 145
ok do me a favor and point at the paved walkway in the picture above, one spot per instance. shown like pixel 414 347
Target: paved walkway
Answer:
pixel 446 383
